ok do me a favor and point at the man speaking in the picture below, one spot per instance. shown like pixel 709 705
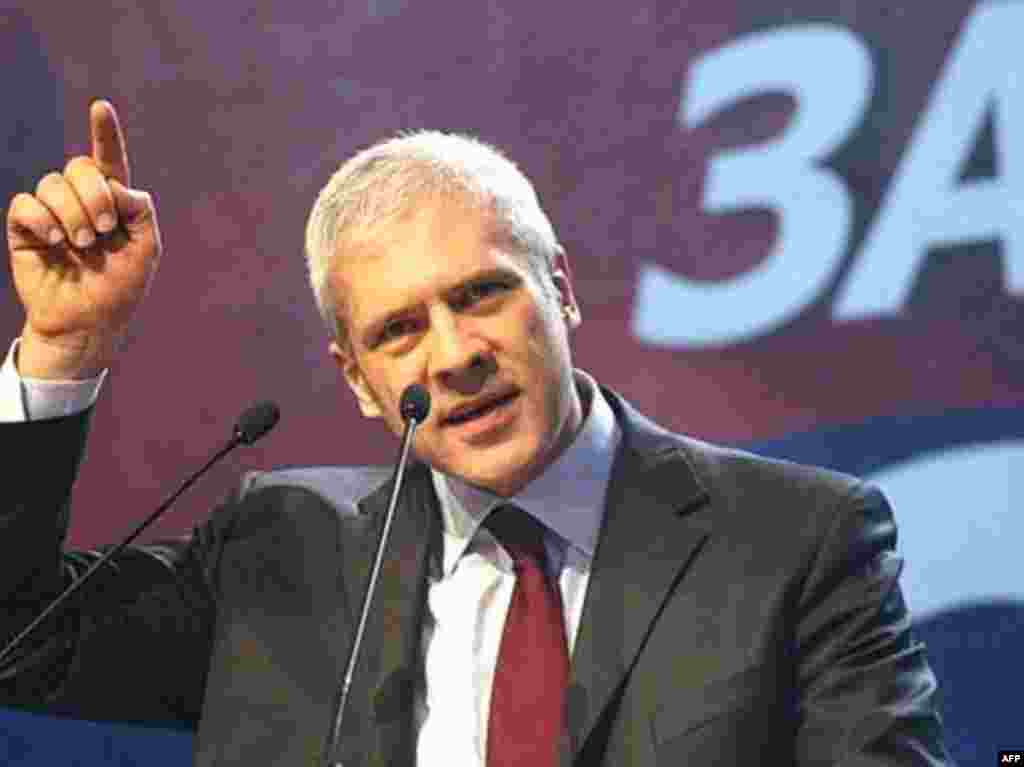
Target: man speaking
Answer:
pixel 565 581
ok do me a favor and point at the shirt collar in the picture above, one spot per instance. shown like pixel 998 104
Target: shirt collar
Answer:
pixel 568 498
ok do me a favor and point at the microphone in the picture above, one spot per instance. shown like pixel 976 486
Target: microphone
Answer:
pixel 414 407
pixel 256 421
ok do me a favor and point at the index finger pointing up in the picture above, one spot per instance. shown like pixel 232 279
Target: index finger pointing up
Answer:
pixel 108 147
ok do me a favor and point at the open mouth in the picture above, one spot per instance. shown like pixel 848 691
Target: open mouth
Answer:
pixel 482 411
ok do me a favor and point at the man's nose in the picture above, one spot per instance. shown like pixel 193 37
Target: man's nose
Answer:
pixel 459 358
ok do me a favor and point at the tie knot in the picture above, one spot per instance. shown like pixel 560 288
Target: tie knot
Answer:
pixel 518 532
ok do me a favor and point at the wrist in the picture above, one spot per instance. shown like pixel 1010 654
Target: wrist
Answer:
pixel 63 359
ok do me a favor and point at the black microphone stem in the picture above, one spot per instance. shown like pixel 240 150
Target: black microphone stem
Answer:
pixel 353 654
pixel 14 643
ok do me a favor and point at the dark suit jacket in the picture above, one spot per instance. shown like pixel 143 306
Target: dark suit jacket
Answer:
pixel 740 611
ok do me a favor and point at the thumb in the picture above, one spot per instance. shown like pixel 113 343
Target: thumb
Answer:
pixel 133 205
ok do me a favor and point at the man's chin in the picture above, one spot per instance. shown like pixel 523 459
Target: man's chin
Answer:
pixel 503 480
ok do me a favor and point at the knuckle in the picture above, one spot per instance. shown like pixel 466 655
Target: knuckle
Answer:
pixel 25 214
pixel 21 208
pixel 49 182
pixel 19 204
pixel 77 165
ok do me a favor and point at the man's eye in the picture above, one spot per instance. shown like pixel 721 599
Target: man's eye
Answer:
pixel 482 290
pixel 395 328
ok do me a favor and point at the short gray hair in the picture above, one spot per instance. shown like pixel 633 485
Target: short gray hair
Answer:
pixel 382 183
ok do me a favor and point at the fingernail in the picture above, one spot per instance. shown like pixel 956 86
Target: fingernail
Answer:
pixel 84 238
pixel 105 223
pixel 55 236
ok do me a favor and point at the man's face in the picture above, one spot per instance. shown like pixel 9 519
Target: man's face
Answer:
pixel 437 300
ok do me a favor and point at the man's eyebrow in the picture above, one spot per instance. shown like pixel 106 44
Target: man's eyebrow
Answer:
pixel 499 273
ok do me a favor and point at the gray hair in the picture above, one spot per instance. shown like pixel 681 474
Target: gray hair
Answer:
pixel 382 183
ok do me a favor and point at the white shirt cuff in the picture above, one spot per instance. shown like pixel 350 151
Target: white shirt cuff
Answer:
pixel 33 399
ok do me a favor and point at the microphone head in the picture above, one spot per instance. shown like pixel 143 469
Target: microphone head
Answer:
pixel 256 421
pixel 415 403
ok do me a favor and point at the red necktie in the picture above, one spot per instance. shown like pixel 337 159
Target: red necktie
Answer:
pixel 527 715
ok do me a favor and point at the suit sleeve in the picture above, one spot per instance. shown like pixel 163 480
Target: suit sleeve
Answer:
pixel 134 644
pixel 867 694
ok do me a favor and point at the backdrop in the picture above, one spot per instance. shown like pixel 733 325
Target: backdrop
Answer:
pixel 794 225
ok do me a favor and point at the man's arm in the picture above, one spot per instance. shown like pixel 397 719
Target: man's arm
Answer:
pixel 868 696
pixel 41 466
pixel 134 644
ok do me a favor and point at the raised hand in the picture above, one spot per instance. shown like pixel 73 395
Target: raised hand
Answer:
pixel 84 249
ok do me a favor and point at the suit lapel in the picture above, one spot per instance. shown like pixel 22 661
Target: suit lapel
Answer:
pixel 379 722
pixel 647 541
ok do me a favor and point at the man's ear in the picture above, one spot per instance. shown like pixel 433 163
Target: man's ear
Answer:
pixel 561 276
pixel 350 369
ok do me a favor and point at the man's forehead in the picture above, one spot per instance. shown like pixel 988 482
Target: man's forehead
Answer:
pixel 377 267
pixel 391 251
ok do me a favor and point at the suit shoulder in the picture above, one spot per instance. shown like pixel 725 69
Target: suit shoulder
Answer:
pixel 733 478
pixel 717 462
pixel 781 512
pixel 342 487
pixel 744 483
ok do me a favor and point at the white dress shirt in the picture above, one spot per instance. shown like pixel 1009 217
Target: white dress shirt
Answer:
pixel 467 604
pixel 24 399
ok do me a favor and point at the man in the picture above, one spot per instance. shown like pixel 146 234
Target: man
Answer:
pixel 686 604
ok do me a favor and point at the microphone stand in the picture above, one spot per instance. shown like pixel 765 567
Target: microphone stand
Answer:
pixel 415 404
